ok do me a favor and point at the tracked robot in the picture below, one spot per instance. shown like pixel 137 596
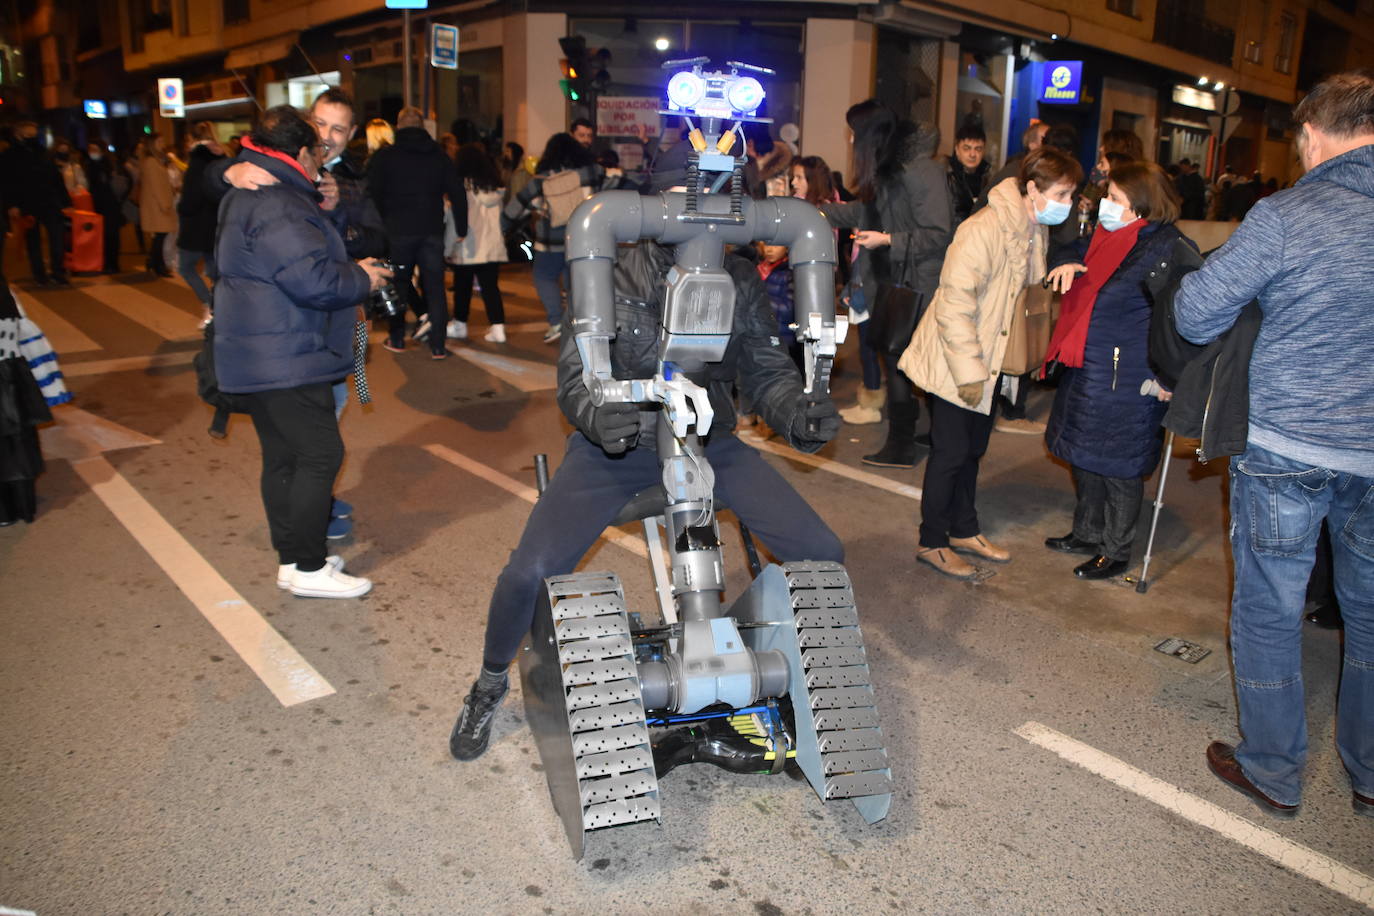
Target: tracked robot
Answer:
pixel 778 681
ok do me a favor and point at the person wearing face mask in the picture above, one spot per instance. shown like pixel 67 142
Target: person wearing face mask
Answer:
pixel 69 166
pixel 957 350
pixel 36 188
pixel 100 177
pixel 1101 425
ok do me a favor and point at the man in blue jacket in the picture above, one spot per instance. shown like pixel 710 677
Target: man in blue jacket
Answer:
pixel 1306 255
pixel 284 313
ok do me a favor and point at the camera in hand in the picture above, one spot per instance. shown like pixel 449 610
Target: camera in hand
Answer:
pixel 386 301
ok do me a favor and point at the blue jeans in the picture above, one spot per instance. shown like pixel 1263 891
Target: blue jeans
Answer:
pixel 1277 507
pixel 548 267
pixel 186 266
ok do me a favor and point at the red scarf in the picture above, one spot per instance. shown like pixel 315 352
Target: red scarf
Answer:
pixel 1105 254
pixel 249 144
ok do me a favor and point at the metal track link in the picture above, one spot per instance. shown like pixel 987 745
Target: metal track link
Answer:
pixel 839 696
pixel 612 754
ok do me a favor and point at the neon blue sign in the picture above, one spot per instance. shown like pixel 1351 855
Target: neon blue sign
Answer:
pixel 1061 82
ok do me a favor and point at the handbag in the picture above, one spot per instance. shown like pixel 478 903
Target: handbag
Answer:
pixel 897 307
pixel 1032 323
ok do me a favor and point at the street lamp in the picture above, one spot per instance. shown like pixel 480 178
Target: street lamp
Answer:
pixel 662 44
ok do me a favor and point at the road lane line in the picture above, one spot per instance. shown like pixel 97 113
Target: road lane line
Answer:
pixel 521 373
pixel 289 676
pixel 64 336
pixel 162 318
pixel 1306 862
pixel 838 468
pixel 527 493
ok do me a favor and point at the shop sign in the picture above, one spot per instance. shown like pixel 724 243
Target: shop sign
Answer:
pixel 95 108
pixel 622 116
pixel 1061 82
pixel 171 100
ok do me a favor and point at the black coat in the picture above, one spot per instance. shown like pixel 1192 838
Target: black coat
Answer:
pixel 409 181
pixel 103 196
pixel 1100 421
pixel 32 181
pixel 755 359
pixel 197 211
pixel 284 302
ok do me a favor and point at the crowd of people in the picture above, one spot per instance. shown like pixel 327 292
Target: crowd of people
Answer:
pixel 953 272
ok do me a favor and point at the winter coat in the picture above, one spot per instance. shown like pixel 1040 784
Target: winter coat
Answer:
pixel 100 178
pixel 484 243
pixel 409 181
pixel 755 360
pixel 963 336
pixel 967 188
pixel 198 212
pixel 530 200
pixel 156 208
pixel 1100 421
pixel 284 303
pixel 1304 253
pixel 355 216
pixel 911 202
pixel 32 181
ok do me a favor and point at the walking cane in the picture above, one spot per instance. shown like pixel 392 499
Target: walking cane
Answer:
pixel 1144 584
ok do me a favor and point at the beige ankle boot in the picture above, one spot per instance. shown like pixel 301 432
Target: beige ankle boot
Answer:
pixel 868 410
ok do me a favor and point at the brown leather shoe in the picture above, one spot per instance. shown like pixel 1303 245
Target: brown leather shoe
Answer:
pixel 947 561
pixel 1221 757
pixel 981 546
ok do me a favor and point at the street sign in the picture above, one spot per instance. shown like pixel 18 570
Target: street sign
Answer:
pixel 1061 82
pixel 443 46
pixel 95 108
pixel 1230 102
pixel 1223 130
pixel 170 99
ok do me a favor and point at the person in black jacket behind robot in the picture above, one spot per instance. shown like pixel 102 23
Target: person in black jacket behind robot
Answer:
pixel 409 181
pixel 197 214
pixel 283 336
pixel 611 456
pixel 100 179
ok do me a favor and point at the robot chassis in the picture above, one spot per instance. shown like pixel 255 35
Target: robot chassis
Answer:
pixel 777 681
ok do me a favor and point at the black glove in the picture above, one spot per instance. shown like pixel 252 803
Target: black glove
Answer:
pixel 817 421
pixel 617 426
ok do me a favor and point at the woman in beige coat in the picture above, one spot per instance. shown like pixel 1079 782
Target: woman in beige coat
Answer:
pixel 957 350
pixel 156 206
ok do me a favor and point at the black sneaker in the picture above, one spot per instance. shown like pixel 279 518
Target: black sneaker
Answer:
pixel 472 731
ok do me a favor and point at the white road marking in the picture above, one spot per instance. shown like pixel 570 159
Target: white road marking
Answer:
pixel 838 468
pixel 78 434
pixel 527 493
pixel 162 318
pixel 1306 862
pixel 522 373
pixel 289 676
pixel 64 336
pixel 9 911
pixel 130 363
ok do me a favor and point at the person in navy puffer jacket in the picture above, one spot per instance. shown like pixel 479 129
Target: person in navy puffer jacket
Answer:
pixel 284 318
pixel 1101 423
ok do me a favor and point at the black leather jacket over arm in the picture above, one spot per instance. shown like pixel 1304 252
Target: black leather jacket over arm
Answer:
pixel 754 359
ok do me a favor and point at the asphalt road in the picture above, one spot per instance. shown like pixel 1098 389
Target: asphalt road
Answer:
pixel 149 768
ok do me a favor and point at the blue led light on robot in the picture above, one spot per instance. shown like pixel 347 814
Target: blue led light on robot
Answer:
pixel 745 94
pixel 686 89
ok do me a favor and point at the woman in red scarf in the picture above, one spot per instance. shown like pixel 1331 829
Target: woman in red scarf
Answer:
pixel 1102 424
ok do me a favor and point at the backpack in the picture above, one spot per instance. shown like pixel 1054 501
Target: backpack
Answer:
pixel 207 386
pixel 563 192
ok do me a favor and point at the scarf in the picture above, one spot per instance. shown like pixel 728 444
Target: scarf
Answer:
pixel 1105 254
pixel 249 144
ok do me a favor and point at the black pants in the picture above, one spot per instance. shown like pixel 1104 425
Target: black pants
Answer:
pixel 156 262
pixel 487 275
pixel 49 221
pixel 301 455
pixel 427 253
pixel 1106 511
pixel 588 491
pixel 958 439
pixel 113 222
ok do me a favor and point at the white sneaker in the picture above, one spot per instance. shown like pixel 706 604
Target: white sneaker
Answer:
pixel 286 569
pixel 421 328
pixel 554 332
pixel 497 334
pixel 457 330
pixel 327 582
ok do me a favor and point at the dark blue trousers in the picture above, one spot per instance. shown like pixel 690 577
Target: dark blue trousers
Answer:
pixel 589 490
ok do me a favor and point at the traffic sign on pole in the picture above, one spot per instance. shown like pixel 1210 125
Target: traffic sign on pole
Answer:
pixel 171 101
pixel 443 46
